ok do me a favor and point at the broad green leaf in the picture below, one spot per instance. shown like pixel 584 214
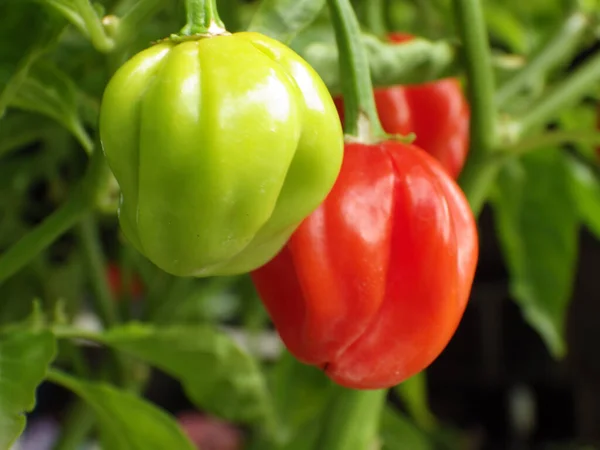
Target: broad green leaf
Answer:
pixel 126 421
pixel 537 223
pixel 283 19
pixel 50 92
pixel 397 432
pixel 413 393
pixel 585 182
pixel 581 117
pixel 24 360
pixel 216 374
pixel 27 32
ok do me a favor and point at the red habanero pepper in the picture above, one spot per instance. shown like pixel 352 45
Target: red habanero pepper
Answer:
pixel 373 284
pixel 437 112
pixel 115 282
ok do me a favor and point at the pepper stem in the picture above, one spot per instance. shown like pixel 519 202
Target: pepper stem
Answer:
pixel 362 121
pixel 202 18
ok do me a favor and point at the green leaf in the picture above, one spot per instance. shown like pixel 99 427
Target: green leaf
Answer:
pixel 27 32
pixel 413 393
pixel 85 15
pixel 577 118
pixel 50 92
pixel 585 182
pixel 18 130
pixel 397 432
pixel 24 360
pixel 537 222
pixel 126 422
pixel 216 374
pixel 283 19
pixel 69 11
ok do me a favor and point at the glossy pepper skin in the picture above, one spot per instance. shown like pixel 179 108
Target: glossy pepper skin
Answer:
pixel 437 112
pixel 372 285
pixel 221 147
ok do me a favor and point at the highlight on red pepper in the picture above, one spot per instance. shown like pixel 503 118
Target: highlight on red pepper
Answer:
pixel 374 283
pixel 437 112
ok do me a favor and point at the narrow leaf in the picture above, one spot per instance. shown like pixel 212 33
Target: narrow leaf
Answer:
pixel 27 32
pixel 49 91
pixel 536 218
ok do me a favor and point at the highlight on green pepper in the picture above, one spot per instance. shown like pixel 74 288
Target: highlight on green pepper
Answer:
pixel 221 144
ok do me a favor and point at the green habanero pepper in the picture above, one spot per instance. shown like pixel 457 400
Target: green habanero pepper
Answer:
pixel 221 146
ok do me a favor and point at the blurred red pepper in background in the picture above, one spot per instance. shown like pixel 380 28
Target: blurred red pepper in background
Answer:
pixel 437 112
pixel 115 282
pixel 210 433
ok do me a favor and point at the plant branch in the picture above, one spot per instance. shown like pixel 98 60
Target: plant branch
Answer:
pixel 202 18
pixel 79 422
pixel 564 94
pixel 361 117
pixel 93 25
pixel 560 47
pixel 554 139
pixel 104 303
pixel 64 218
pixel 478 174
pixel 351 411
pixel 375 16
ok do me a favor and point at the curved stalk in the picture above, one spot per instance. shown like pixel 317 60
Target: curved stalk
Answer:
pixel 202 18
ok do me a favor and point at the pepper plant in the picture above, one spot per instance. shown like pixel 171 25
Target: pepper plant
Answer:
pixel 173 181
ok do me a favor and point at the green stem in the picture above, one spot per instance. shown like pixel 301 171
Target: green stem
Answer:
pixel 69 332
pixel 560 47
pixel 362 121
pixel 104 303
pixel 202 18
pixel 480 77
pixel 79 422
pixel 352 413
pixel 64 218
pixel 21 253
pixel 476 180
pixel 478 174
pixel 94 27
pixel 375 16
pixel 564 94
pixel 554 139
pixel 60 378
